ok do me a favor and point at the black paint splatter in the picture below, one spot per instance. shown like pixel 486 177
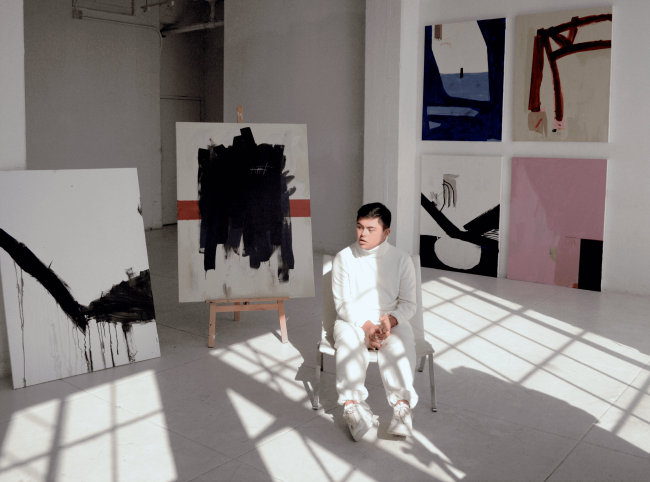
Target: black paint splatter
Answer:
pixel 126 303
pixel 20 285
pixel 244 194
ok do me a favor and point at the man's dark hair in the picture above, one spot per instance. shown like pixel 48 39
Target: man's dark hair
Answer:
pixel 375 210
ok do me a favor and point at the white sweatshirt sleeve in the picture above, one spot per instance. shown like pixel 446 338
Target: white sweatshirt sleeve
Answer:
pixel 342 293
pixel 406 301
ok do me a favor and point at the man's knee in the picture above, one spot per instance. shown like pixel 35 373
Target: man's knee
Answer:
pixel 349 334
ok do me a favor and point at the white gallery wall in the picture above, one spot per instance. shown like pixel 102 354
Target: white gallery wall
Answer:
pixel 626 264
pixel 93 95
pixel 302 62
pixel 12 118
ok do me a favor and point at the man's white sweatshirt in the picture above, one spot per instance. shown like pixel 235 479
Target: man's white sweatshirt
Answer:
pixel 370 283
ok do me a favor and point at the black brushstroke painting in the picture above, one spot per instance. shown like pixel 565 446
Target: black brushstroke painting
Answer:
pixel 482 231
pixel 127 303
pixel 244 195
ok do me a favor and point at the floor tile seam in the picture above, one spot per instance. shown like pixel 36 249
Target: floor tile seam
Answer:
pixel 185 331
pixel 572 449
pixel 144 375
pixel 315 415
pixel 590 429
pixel 160 311
pixel 278 362
pixel 493 302
pixel 511 422
pixel 153 422
pixel 613 403
pixel 480 334
pixel 179 365
pixel 211 469
pixel 320 322
pixel 48 405
pixel 274 477
pixel 559 290
pixel 646 458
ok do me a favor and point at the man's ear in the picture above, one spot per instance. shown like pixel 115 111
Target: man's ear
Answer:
pixel 386 232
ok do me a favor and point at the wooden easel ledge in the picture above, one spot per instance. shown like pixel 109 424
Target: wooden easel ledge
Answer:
pixel 218 306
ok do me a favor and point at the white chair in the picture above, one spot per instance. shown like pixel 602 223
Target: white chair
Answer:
pixel 423 348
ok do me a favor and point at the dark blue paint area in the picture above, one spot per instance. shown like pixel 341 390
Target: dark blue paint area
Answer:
pixel 487 124
pixel 469 86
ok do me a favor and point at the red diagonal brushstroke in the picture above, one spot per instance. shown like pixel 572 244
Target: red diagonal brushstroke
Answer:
pixel 189 210
pixel 300 208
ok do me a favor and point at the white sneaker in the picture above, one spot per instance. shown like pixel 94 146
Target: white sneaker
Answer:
pixel 359 420
pixel 402 423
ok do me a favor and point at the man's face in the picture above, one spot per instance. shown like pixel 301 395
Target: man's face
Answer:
pixel 370 233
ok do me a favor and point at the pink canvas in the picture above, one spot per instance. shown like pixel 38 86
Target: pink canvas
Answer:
pixel 554 204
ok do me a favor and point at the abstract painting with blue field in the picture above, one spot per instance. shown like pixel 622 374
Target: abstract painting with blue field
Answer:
pixel 463 81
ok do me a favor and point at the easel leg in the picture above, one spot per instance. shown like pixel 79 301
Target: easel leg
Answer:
pixel 283 321
pixel 213 319
pixel 237 316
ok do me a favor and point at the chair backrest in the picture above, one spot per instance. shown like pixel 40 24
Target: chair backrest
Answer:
pixel 329 308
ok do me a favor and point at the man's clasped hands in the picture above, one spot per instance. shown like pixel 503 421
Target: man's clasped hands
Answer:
pixel 377 333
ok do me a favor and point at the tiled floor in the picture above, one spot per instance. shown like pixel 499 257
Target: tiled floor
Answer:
pixel 534 383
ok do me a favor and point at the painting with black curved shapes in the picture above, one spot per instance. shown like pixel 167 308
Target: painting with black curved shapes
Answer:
pixel 244 213
pixel 460 214
pixel 75 275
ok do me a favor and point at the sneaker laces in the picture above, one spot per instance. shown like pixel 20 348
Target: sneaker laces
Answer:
pixel 352 415
pixel 400 412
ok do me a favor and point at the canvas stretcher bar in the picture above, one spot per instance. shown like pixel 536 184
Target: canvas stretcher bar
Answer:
pixel 218 306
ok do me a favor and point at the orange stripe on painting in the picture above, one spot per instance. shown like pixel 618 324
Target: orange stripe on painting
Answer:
pixel 187 210
pixel 300 208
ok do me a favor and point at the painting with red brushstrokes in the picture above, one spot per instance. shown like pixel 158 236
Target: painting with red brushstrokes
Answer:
pixel 244 211
pixel 562 76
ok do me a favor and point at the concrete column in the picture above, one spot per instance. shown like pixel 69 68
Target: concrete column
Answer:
pixel 390 100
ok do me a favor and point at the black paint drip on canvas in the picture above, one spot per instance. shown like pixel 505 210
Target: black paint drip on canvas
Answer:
pixel 126 303
pixel 243 195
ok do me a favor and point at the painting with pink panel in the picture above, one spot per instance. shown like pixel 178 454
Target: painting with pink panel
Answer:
pixel 557 218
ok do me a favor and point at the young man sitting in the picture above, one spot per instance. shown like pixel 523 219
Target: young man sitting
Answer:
pixel 374 292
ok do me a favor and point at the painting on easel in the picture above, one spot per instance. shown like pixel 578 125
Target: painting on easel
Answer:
pixel 244 218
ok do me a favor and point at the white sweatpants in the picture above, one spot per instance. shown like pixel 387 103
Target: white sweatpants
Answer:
pixel 396 359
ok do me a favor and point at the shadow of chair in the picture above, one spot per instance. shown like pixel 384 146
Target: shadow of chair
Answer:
pixel 325 346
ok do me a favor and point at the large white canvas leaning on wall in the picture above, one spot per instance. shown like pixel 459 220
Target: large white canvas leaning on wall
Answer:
pixel 244 217
pixel 75 273
pixel 460 213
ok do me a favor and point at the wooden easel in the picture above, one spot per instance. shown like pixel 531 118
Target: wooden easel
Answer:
pixel 217 306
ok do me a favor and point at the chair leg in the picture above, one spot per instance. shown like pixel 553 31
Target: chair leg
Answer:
pixel 422 360
pixel 434 404
pixel 319 368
